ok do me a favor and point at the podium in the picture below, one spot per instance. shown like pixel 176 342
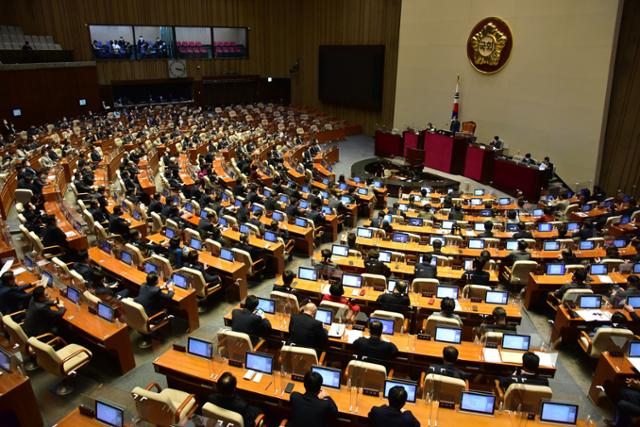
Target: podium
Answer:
pixel 510 176
pixel 415 157
pixel 444 153
pixel 478 163
pixel 410 140
pixel 388 144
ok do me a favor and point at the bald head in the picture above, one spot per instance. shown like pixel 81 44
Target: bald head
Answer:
pixel 310 309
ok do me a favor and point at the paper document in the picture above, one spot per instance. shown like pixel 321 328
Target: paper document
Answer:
pixel 19 270
pixel 491 355
pixel 635 361
pixel 605 279
pixel 511 357
pixel 353 335
pixel 336 330
pixel 594 315
pixel 547 359
pixel 7 265
pixel 70 233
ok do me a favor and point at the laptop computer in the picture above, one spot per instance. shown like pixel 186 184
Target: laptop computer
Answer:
pixel 109 414
pixel 477 403
pixel 558 413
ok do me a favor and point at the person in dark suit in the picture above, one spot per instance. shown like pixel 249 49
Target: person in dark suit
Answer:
pixel 306 331
pixel 287 279
pixel 374 349
pixel 588 231
pixel 374 266
pixel 628 405
pixel 42 315
pixel 227 398
pixel 244 245
pixel 488 229
pixel 316 215
pixel 314 408
pixel 392 414
pixel 151 296
pixel 522 232
pixel 205 225
pixel 527 374
pixel 82 266
pixel 477 276
pixel 246 320
pixel 456 214
pixel 155 205
pixel 117 224
pixel 577 282
pixel 397 301
pixel 53 235
pixel 497 322
pixel 12 298
pixel 520 254
pixel 449 357
pixel 424 269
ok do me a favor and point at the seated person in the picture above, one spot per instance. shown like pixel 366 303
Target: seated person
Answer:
pixel 447 368
pixel 424 269
pixel 244 245
pixel 117 224
pixel 397 301
pixel 522 232
pixel 374 266
pixel 175 253
pixel 287 280
pixel 488 229
pixel 227 398
pixel 520 254
pixel 12 297
pixel 306 331
pixel 351 241
pixel 191 261
pixel 618 321
pixel 336 294
pixel 618 296
pixel 628 405
pixel 98 287
pixel 151 296
pixel 578 282
pixel 374 349
pixel 477 276
pixel 497 322
pixel 527 374
pixel 392 414
pixel 246 320
pixel 206 225
pixel 314 408
pixel 43 315
pixel 437 247
pixel 83 267
pixel 447 308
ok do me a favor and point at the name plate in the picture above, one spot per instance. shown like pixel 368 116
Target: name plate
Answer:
pixel 179 347
pixel 447 405
pixel 370 392
pixel 235 363
pixel 427 294
pixel 476 299
pixel 299 378
pixel 424 337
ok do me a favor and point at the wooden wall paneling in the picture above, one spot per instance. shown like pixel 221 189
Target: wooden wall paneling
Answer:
pixel 621 154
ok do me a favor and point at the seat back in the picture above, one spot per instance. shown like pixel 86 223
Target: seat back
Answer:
pixel 135 316
pixel 297 360
pixel 572 295
pixel 157 222
pixel 154 408
pixel 285 302
pixel 520 272
pixel 339 310
pixel 213 246
pixel 163 264
pixel 245 258
pixel 526 397
pixel 46 356
pixel 61 266
pixel 17 338
pixel 217 414
pixel 436 320
pixel 136 252
pixel 376 281
pixel 429 286
pixel 398 319
pixel 475 291
pixel 195 280
pixel 603 339
pixel 444 388
pixel 233 345
pixel 367 375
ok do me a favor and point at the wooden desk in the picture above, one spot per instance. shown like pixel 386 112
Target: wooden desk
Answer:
pixel 17 399
pixel 76 419
pixel 275 250
pixel 611 373
pixel 196 375
pixel 184 301
pixel 565 329
pixel 77 240
pixel 303 235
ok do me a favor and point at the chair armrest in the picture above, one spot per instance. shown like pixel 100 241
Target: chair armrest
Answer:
pixel 283 423
pixel 153 385
pixel 390 373
pixel 466 384
pixel 405 325
pixel 55 340
pixel 322 357
pixel 260 344
pixel 51 248
pixel 17 313
pixel 259 420
pixel 258 262
pixel 586 349
pixel 499 390
pixel 71 356
pixel 184 405
pixel 156 316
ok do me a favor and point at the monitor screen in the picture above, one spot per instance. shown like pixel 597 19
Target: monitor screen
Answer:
pixel 195 244
pixel 330 376
pixel 562 413
pixel 169 233
pixel 356 179
pixel 150 267
pixel 447 292
pixel 267 305
pixel 270 236
pixel 324 316
pixel 305 189
pixel 109 415
pixel 204 214
pixel 503 201
pixel 476 202
pixel 384 256
pixel 619 243
pixel 346 200
pixel 545 227
pixel 136 215
pixel 400 237
pixel 28 262
pixel 327 210
pixel 555 269
pixel 377 184
pixel 512 226
pixel 538 212
pixel 126 257
pixel 222 222
pixel 450 335
pixel 73 294
pixel 188 207
pixel 496 297
pixel 596 269
pixel 303 204
pixel 587 245
pixel 486 212
pixel 301 222
pixel 480 403
pixel 82 102
pixel 387 324
pixel 587 207
pixel 105 311
pixel 352 280
pixel 409 386
pixel 226 254
pixel 447 225
pixel 512 245
pixel 391 285
pixel 551 246
pixel 515 342
pixel 200 348
pixel 636 268
pixel 180 281
pixel 16 112
pixel 342 186
pixel 307 273
pixel 49 278
pixel 634 348
pixel 417 222
pixel 590 301
pixel 634 301
pixel 277 216
pixel 478 192
pixel 339 250
pixel 5 360
pixel 244 229
pixel 105 246
pixel 626 219
pixel 573 226
pixel 476 244
pixel 259 362
pixel 364 232
pixel 478 226
pixel 363 191
pixel 283 198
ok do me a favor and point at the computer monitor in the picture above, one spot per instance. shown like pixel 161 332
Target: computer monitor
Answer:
pixel 352 280
pixel 339 250
pixel 307 273
pixel 387 324
pixel 409 386
pixel 447 292
pixel 303 204
pixel 346 200
pixel 16 112
pixel 516 342
pixel 416 222
pixel 556 269
pixel 195 244
pixel 504 201
pixel 357 179
pixel 620 243
pixel 106 312
pixel 28 262
pixel 544 227
pixel 478 403
pixel 559 413
pixel 73 294
pixel 496 297
pixel 478 192
pixel 327 210
pixel 270 236
pixel 204 214
pixel 180 281
pixel 259 362
pixel 105 246
pixel 188 207
pixel 634 301
pixel 512 245
pixel 222 222
pixel 363 191
pixel 200 348
pixel 586 245
pixel 478 226
pixel 226 254
pixel 136 215
pixel 400 237
pixel 109 414
pixel 49 278
pixel 486 212
pixel 377 184
pixel 587 207
pixel 267 305
pixel 244 229
pixel 596 269
pixel 150 267
pixel 636 268
pixel 5 361
pixel 573 226
pixel 551 245
pixel 330 376
pixel 305 189
pixel 277 216
pixel 538 212
pixel 284 199
pixel 325 316
pixel 447 225
pixel 634 348
pixel 169 233
pixel 343 186
pixel 626 219
pixel 593 302
pixel 126 257
pixel 450 335
pixel 384 256
pixel 512 227
pixel 476 202
pixel 364 232
pixel 476 244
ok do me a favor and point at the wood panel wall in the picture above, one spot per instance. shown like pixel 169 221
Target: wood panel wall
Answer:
pixel 620 165
pixel 281 31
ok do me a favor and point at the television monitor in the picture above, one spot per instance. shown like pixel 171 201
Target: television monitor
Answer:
pixel 303 204
pixel 447 225
pixel 109 414
pixel 5 360
pixel 307 273
pixel 537 212
pixel 512 245
pixel 266 192
pixel 512 227
pixel 587 245
pixel 636 268
pixel 620 243
pixel 222 222
pixel 351 280
pixel 573 226
pixel 377 184
pixel 327 210
pixel 188 207
pixel 324 316
pixel 626 219
pixel 558 413
pixel 450 335
pixel 150 267
pixel 108 41
pixel 195 244
pixel 267 305
pixel 305 189
pixel 180 281
pixel 634 349
pixel 416 222
pixel 478 192
pixel 270 236
pixel 136 215
pixel 169 233
pixel 496 297
pixel 516 342
pixel 106 312
pixel 556 269
pixel 226 254
pixel 244 229
pixel 504 201
pixel 551 245
pixel 339 250
pixel 587 207
pixel 592 302
pixel 330 376
pixel 82 102
pixel 366 233
pixel 301 222
pixel 486 212
pixel 277 216
pixel 384 256
pixel 49 278
pixel 283 198
pixel 410 387
pixel 400 237
pixel 634 302
pixel 363 191
pixel 478 403
pixel 476 202
pixel 447 292
pixel 597 269
pixel 476 244
pixel 199 347
pixel 16 112
pixel 387 324
pixel 126 258
pixel 545 227
pixel 259 362
pixel 346 200
pixel 73 294
pixel 105 246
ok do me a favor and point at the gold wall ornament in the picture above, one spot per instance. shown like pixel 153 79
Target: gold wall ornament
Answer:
pixel 489 45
